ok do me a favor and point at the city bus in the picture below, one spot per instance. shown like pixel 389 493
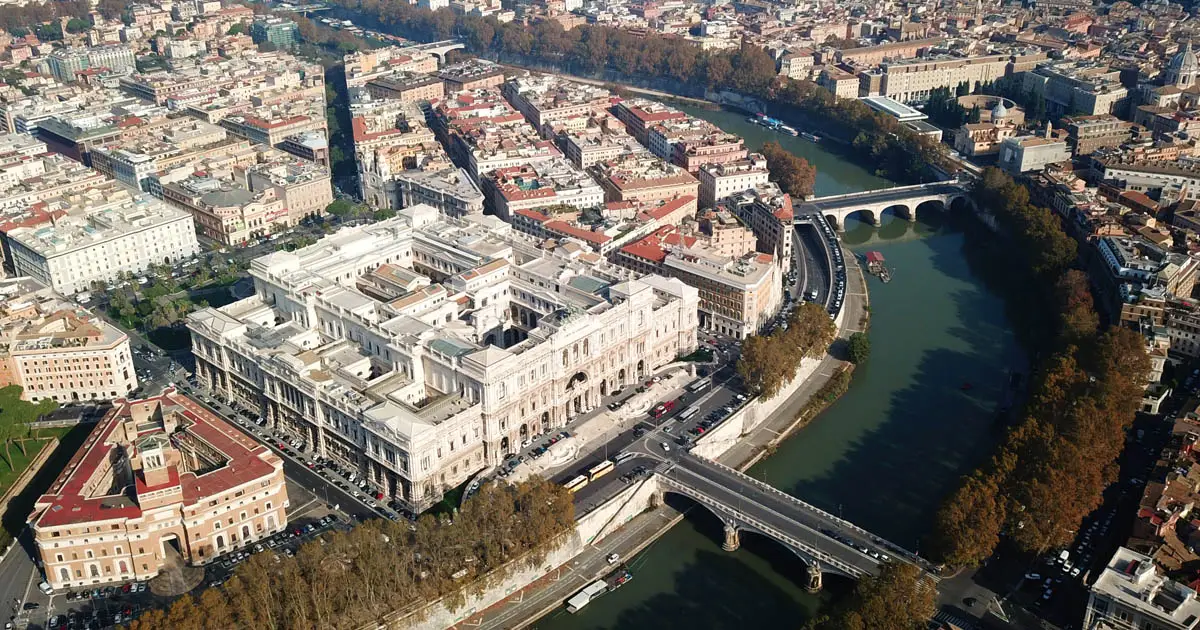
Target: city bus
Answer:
pixel 599 470
pixel 575 484
pixel 699 385
pixel 688 413
pixel 622 457
pixel 662 409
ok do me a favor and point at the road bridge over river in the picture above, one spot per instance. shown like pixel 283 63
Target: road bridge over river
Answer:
pixel 745 504
pixel 903 201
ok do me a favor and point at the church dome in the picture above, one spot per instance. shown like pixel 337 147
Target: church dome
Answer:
pixel 1185 62
pixel 999 112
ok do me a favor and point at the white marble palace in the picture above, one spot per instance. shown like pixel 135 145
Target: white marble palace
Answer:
pixel 421 349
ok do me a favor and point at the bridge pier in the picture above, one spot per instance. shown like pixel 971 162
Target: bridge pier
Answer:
pixel 732 540
pixel 813 584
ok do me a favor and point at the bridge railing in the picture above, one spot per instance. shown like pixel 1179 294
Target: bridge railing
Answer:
pixel 877 191
pixel 812 508
pixel 766 529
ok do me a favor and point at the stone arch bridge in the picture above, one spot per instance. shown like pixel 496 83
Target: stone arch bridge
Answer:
pixel 903 201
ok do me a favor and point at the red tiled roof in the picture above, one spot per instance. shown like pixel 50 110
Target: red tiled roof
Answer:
pixel 67 503
pixel 670 206
pixel 562 227
pixel 784 213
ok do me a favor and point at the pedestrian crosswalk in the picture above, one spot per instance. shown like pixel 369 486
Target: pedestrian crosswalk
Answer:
pixel 945 618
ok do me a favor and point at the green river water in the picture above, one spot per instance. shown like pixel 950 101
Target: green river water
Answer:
pixel 883 456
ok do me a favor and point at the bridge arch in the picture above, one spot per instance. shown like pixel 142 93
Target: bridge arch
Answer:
pixel 957 203
pixel 832 220
pixel 901 210
pixel 864 214
pixel 931 209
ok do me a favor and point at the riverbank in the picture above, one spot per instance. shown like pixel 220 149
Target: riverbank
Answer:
pixel 790 412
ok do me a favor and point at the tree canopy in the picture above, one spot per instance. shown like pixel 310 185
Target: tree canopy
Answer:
pixel 901 597
pixel 769 362
pixel 380 567
pixel 860 347
pixel 794 175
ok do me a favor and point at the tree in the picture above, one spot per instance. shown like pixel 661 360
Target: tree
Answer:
pixel 769 362
pixel 1079 320
pixel 968 524
pixel 860 348
pixel 237 29
pixel 901 597
pixel 794 174
pixel 76 25
pixel 975 115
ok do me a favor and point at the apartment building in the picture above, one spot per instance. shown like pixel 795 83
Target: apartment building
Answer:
pixel 409 87
pixel 1089 133
pixel 224 211
pixel 1181 177
pixel 640 115
pixel 273 131
pixel 769 213
pixel 601 143
pixel 451 190
pixel 419 388
pixel 157 481
pixel 55 350
pixel 840 83
pixel 112 231
pixel 738 295
pixel 643 178
pixel 718 181
pixel 912 80
pixel 1078 87
pixel 67 63
pixel 1131 592
pixel 548 102
pixel 473 74
pixel 553 182
pixel 365 65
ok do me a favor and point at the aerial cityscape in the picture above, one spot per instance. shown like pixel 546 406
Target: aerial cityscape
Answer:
pixel 595 314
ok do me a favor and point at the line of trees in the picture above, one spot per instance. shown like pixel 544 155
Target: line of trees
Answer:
pixel 381 567
pixel 595 50
pixel 794 174
pixel 769 362
pixel 1051 469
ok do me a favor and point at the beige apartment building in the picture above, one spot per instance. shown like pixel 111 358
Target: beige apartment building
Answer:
pixel 158 480
pixel 644 179
pixel 912 81
pixel 57 351
pixel 738 295
pixel 224 211
pixel 407 87
pixel 718 181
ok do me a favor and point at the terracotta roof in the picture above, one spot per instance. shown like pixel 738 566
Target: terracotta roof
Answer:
pixel 247 460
